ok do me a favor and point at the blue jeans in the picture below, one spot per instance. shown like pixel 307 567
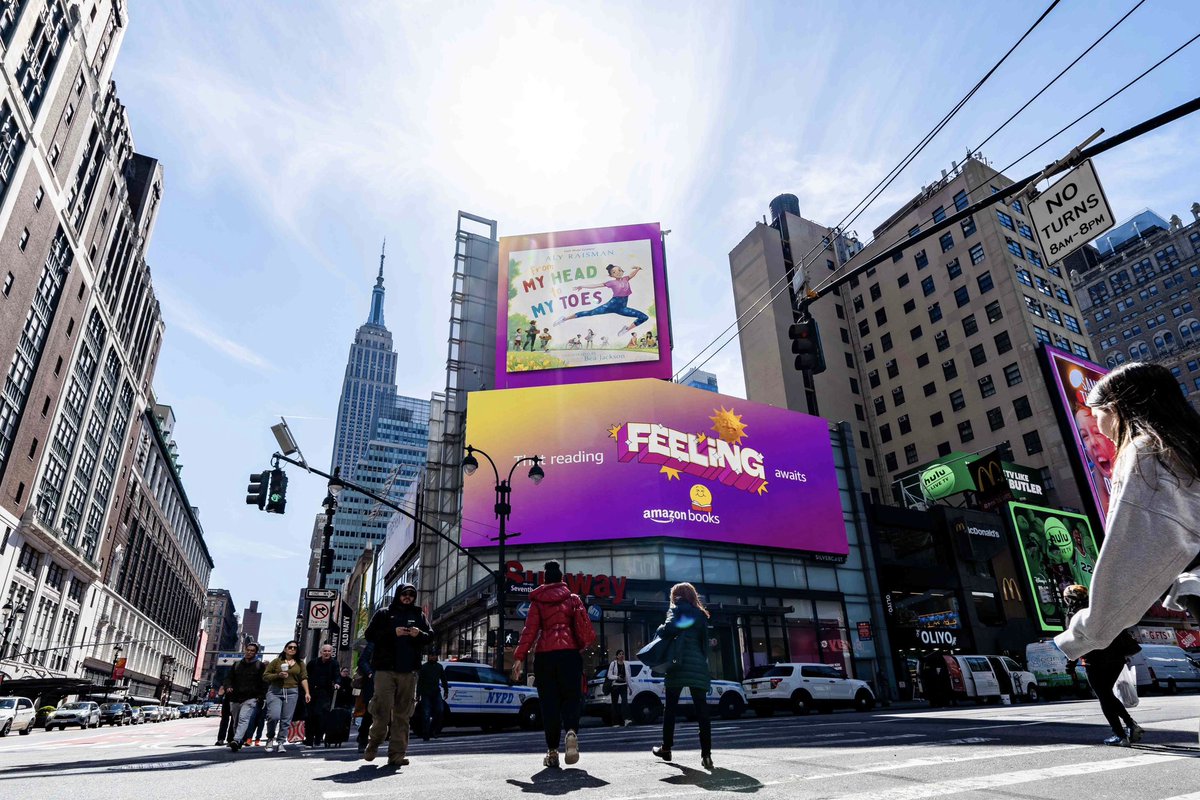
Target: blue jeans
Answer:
pixel 431 713
pixel 281 704
pixel 242 718
pixel 616 305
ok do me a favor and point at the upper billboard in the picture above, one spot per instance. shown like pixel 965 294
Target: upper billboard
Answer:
pixel 582 306
pixel 646 458
pixel 1074 378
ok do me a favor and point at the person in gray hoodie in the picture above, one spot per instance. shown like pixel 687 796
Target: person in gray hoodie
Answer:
pixel 1151 535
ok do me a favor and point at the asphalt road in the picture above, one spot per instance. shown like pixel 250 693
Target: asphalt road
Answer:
pixel 1026 751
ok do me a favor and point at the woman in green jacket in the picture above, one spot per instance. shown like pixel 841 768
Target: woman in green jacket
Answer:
pixel 687 626
pixel 286 677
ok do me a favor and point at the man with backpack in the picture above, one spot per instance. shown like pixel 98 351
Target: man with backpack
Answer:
pixel 245 688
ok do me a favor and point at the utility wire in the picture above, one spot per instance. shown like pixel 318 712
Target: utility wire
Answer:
pixel 874 193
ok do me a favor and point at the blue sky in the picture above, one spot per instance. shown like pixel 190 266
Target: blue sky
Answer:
pixel 296 136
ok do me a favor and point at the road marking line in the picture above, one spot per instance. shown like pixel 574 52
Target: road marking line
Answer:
pixel 1191 796
pixel 933 761
pixel 1001 725
pixel 986 782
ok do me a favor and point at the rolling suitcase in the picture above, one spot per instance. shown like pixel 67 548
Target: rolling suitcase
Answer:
pixel 337 726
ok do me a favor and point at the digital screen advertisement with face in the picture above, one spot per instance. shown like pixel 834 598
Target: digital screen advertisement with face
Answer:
pixel 1059 550
pixel 1074 378
pixel 644 458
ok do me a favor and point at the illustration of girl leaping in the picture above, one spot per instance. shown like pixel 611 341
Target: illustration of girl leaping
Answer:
pixel 618 303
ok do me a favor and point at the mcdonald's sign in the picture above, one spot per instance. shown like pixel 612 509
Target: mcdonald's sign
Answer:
pixel 1011 591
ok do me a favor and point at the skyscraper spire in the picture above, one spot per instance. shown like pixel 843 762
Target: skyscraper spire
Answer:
pixel 376 317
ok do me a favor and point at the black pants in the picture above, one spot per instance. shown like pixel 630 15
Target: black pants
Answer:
pixel 700 702
pixel 620 703
pixel 227 728
pixel 314 719
pixel 558 676
pixel 1103 669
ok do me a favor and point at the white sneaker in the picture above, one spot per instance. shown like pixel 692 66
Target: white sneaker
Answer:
pixel 270 748
pixel 572 754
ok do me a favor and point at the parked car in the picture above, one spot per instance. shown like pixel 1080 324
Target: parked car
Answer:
pixel 647 694
pixel 187 711
pixel 945 678
pixel 1164 667
pixel 479 695
pixel 84 713
pixel 210 710
pixel 136 717
pixel 1049 667
pixel 152 713
pixel 116 714
pixel 800 688
pixel 17 714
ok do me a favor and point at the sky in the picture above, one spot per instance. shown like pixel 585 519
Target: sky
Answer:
pixel 296 137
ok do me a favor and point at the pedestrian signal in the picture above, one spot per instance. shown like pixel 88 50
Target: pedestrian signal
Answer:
pixel 806 345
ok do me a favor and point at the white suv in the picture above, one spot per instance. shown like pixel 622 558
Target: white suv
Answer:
pixel 647 693
pixel 801 688
pixel 16 714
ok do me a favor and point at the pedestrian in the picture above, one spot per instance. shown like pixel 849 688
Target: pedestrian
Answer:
pixel 432 690
pixel 1150 532
pixel 399 633
pixel 365 679
pixel 686 627
pixel 558 625
pixel 223 726
pixel 323 675
pixel 286 678
pixel 344 697
pixel 246 688
pixel 1103 667
pixel 618 681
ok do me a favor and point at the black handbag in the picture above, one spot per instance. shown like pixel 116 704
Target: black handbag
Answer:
pixel 659 654
pixel 608 684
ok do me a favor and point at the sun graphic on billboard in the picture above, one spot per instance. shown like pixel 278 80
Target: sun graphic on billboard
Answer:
pixel 728 425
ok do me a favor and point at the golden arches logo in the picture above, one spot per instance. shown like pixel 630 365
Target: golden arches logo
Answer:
pixel 1010 589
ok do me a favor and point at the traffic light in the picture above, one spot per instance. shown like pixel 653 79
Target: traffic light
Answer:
pixel 259 488
pixel 806 344
pixel 277 496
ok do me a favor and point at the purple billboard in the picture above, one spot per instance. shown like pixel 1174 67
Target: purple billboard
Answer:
pixel 642 458
pixel 581 306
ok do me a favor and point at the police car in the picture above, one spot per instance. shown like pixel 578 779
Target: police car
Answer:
pixel 479 695
pixel 647 693
pixel 803 687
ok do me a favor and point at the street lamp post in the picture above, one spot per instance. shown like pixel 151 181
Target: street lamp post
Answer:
pixel 503 509
pixel 10 618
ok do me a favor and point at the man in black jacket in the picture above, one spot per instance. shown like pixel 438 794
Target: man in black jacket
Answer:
pixel 323 674
pixel 399 635
pixel 245 688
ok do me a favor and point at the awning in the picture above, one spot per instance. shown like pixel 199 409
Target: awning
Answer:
pixel 36 687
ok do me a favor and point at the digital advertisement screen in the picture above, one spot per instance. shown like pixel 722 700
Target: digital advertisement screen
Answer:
pixel 587 305
pixel 1074 378
pixel 1058 549
pixel 643 458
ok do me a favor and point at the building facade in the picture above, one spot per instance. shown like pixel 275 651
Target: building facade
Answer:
pixel 699 379
pixel 251 623
pixel 221 626
pixel 1138 292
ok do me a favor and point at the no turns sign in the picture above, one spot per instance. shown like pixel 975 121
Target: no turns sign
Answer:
pixel 1071 213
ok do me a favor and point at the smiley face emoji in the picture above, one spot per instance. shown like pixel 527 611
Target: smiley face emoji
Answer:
pixel 701 498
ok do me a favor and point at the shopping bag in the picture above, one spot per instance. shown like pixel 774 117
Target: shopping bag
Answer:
pixel 1126 687
pixel 295 732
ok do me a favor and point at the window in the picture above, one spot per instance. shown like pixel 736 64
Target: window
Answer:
pixel 1022 407
pixel 889 461
pixel 970 326
pixel 864 440
pixel 873 378
pixel 929 388
pixel 898 396
pixel 976 253
pixel 944 449
pixel 39 197
pixel 897 256
pixel 845 336
pixel 927 285
pixel 875 292
pixel 1072 324
pixel 910 306
pixel 1012 374
pixel 1033 306
pixel 949 370
pixel 880 316
pixel 953 269
pixel 858 302
pixel 960 201
pixel 860 413
pixel 1034 258
pixel 1017 207
pixel 946 240
pixel 869 353
pixel 1024 277
pixel 1025 231
pixel 1052 315
pixel 994 312
pixel 885 342
pixel 885 433
pixel 29 560
pixel 55 574
pixel 913 231
pixel 968 227
pixel 849 360
pixel 965 434
pixel 923 360
pixel 1003 342
pixel 902 281
pixel 864 327
pixel 962 296
pixel 986 387
pixel 1033 443
pixel 936 419
pixel 1005 220
pixel 921 259
pixel 880 405
pixel 957 401
pixel 23 241
pixel 995 418
pixel 935 312
pixel 870 468
pixel 939 214
pixel 854 386
pixel 8 284
pixel 985 282
pixel 910 453
pixel 915 333
pixel 978 355
pixel 942 339
pixel 841 311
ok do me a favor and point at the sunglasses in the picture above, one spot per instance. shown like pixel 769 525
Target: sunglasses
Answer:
pixel 408 594
pixel 290 647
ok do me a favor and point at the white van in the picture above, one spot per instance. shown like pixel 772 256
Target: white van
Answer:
pixel 1049 667
pixel 1164 667
pixel 945 678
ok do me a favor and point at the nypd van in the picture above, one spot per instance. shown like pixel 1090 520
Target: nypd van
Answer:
pixel 648 694
pixel 481 696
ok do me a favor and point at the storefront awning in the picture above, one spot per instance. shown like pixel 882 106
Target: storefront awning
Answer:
pixel 36 687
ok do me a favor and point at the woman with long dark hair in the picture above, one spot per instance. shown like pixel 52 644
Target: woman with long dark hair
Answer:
pixel 285 676
pixel 1151 532
pixel 687 626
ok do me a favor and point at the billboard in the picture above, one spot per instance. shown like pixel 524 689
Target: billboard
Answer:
pixel 587 305
pixel 1074 377
pixel 631 459
pixel 1058 549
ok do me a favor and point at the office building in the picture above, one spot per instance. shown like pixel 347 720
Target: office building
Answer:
pixel 251 623
pixel 699 379
pixel 221 626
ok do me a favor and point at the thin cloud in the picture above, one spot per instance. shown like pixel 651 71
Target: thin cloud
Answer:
pixel 179 315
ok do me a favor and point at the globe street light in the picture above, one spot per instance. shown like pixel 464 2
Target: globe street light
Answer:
pixel 503 509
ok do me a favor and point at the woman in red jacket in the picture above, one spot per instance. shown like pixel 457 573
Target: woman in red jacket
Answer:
pixel 558 624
